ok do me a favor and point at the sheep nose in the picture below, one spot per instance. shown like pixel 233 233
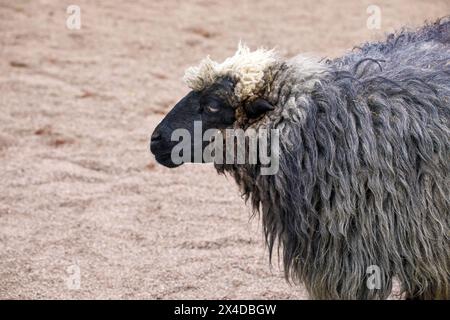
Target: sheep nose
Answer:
pixel 156 136
pixel 155 140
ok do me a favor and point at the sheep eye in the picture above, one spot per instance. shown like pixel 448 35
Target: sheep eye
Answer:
pixel 212 109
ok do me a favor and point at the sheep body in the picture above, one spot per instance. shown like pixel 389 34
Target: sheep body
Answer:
pixel 364 166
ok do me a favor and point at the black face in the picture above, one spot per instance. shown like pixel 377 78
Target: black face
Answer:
pixel 213 107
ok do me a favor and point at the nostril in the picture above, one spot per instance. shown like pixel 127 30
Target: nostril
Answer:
pixel 156 136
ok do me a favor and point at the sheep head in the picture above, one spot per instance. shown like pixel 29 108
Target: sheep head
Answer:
pixel 226 95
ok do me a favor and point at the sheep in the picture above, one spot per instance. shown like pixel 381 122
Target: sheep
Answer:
pixel 363 179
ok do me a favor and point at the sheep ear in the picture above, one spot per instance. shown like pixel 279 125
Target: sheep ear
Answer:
pixel 257 107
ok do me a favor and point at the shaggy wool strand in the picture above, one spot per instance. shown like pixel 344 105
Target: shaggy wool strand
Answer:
pixel 364 169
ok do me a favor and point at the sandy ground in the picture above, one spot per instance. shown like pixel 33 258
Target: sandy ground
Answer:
pixel 79 190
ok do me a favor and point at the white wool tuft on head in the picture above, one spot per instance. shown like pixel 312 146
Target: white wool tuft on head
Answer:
pixel 246 67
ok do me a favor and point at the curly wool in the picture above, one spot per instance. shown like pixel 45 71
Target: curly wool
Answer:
pixel 247 68
pixel 364 168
